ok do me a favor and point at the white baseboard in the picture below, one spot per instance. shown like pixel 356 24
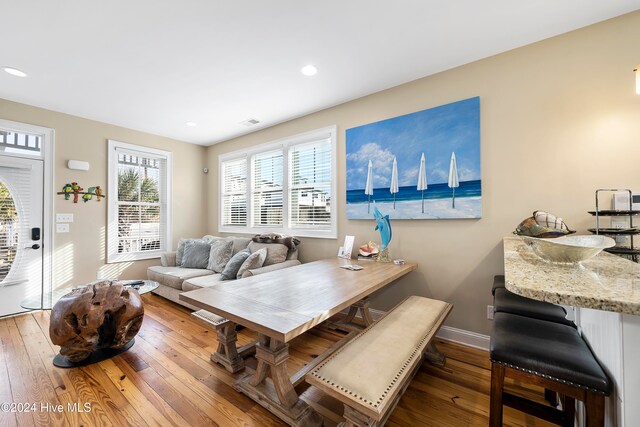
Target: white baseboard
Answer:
pixel 460 336
pixel 471 339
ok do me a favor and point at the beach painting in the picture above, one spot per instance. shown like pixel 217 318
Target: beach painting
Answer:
pixel 423 165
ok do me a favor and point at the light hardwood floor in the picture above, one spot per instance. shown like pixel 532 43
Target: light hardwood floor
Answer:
pixel 167 379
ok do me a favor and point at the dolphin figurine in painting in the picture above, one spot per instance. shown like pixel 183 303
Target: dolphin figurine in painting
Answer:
pixel 383 225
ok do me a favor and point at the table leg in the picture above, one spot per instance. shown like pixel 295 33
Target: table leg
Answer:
pixel 347 324
pixel 227 354
pixel 278 394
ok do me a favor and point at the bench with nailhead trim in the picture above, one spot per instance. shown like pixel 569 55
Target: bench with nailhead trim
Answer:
pixel 370 373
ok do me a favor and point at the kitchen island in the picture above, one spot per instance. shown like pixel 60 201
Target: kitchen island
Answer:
pixel 605 292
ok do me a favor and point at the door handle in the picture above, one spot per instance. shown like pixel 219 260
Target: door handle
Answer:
pixel 34 246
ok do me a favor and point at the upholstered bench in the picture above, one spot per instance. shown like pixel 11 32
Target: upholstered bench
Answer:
pixel 370 373
pixel 551 355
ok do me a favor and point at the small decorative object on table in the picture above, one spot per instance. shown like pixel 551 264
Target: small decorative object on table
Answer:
pixel 95 322
pixel 384 227
pixel 368 251
pixel 543 224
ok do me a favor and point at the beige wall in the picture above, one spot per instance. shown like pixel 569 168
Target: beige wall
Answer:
pixel 559 119
pixel 80 254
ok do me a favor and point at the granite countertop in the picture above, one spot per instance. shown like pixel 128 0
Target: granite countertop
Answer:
pixel 604 282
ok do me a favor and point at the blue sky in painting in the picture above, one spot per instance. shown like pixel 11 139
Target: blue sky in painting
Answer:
pixel 436 132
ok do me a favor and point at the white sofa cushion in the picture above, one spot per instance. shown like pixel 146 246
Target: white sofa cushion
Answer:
pixel 174 276
pixel 201 282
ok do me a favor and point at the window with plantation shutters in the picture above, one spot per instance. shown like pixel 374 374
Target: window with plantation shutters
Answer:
pixel 310 194
pixel 234 192
pixel 287 186
pixel 139 202
pixel 266 189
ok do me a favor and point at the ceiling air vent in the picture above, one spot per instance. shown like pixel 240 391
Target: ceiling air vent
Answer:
pixel 250 122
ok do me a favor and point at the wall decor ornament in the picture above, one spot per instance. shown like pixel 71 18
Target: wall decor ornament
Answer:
pixel 423 165
pixel 74 189
pixel 384 227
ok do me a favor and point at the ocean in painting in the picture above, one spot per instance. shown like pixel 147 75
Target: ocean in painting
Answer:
pixel 437 202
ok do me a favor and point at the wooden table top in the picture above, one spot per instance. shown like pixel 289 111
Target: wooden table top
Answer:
pixel 285 303
pixel 604 282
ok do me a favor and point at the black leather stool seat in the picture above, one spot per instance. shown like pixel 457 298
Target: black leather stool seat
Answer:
pixel 547 349
pixel 498 282
pixel 505 301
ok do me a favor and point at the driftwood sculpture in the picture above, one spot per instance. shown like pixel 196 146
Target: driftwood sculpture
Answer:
pixel 103 315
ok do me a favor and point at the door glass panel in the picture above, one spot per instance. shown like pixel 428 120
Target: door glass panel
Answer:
pixel 9 231
pixel 20 143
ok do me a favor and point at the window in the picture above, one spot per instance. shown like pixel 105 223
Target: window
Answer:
pixel 139 202
pixel 286 186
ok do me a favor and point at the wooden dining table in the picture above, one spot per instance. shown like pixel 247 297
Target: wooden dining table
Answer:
pixel 282 305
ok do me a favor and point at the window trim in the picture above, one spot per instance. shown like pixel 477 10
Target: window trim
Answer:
pixel 329 132
pixel 112 200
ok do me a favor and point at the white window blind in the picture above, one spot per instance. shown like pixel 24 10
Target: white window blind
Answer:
pixel 266 191
pixel 234 192
pixel 139 214
pixel 287 186
pixel 310 185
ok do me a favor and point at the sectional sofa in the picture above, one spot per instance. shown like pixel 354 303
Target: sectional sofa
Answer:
pixel 175 279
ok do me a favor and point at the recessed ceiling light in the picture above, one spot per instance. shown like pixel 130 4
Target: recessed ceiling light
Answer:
pixel 192 124
pixel 14 71
pixel 309 70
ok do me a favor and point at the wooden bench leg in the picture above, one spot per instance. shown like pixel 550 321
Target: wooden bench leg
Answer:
pixel 497 387
pixel 594 408
pixel 551 397
pixel 354 418
pixel 435 356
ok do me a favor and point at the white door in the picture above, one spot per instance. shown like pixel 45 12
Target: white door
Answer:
pixel 21 218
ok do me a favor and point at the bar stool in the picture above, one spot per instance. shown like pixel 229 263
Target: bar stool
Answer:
pixel 551 355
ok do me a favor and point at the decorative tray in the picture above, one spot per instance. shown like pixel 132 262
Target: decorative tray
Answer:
pixel 602 230
pixel 612 212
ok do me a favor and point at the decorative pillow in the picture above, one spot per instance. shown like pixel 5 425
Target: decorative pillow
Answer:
pixel 276 252
pixel 230 271
pixel 221 252
pixel 255 260
pixel 180 250
pixel 196 254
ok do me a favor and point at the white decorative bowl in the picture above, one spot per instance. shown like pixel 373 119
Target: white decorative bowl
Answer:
pixel 569 249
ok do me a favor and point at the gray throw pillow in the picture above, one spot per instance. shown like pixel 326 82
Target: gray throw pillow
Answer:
pixel 180 250
pixel 255 260
pixel 196 254
pixel 230 271
pixel 276 252
pixel 221 252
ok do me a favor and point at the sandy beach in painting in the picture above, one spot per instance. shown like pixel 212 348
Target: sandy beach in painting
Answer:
pixel 466 207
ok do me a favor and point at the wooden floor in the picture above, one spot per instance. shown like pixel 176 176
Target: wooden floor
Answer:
pixel 167 379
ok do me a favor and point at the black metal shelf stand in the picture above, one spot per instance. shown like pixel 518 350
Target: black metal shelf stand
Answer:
pixel 630 251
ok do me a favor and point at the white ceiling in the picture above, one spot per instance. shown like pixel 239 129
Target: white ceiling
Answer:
pixel 153 65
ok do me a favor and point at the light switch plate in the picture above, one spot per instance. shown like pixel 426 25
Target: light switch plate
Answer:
pixel 64 217
pixel 62 228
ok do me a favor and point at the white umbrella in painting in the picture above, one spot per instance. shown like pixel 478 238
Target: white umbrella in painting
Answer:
pixel 394 181
pixel 453 179
pixel 368 188
pixel 422 179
